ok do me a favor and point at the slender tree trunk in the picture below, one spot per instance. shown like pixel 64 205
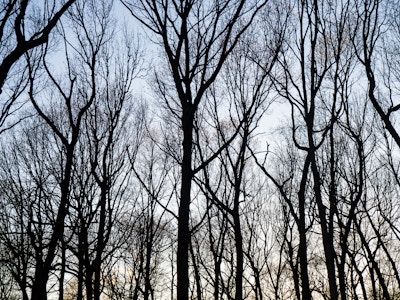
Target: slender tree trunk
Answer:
pixel 239 256
pixel 149 252
pixel 184 207
pixel 196 272
pixel 217 256
pixel 43 269
pixel 327 237
pixel 302 252
pixel 101 243
pixel 294 268
pixel 62 271
pixel 342 274
pixel 217 270
pixel 81 255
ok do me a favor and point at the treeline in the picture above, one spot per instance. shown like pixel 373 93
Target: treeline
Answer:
pixel 230 149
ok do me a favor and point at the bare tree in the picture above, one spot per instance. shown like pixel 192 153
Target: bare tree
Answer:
pixel 247 87
pixel 74 96
pixel 29 174
pixel 150 221
pixel 197 37
pixel 316 65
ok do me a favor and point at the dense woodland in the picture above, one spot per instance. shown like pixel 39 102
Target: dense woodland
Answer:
pixel 216 149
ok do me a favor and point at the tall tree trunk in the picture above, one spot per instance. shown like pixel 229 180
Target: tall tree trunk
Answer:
pixel 239 256
pixel 39 289
pixel 327 236
pixel 62 271
pixel 43 268
pixel 149 252
pixel 100 241
pixel 301 225
pixel 184 207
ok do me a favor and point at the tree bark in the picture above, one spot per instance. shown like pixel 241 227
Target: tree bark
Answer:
pixel 184 207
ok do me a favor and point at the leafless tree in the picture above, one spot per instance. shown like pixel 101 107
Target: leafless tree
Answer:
pixel 64 112
pixel 197 37
pixel 29 188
